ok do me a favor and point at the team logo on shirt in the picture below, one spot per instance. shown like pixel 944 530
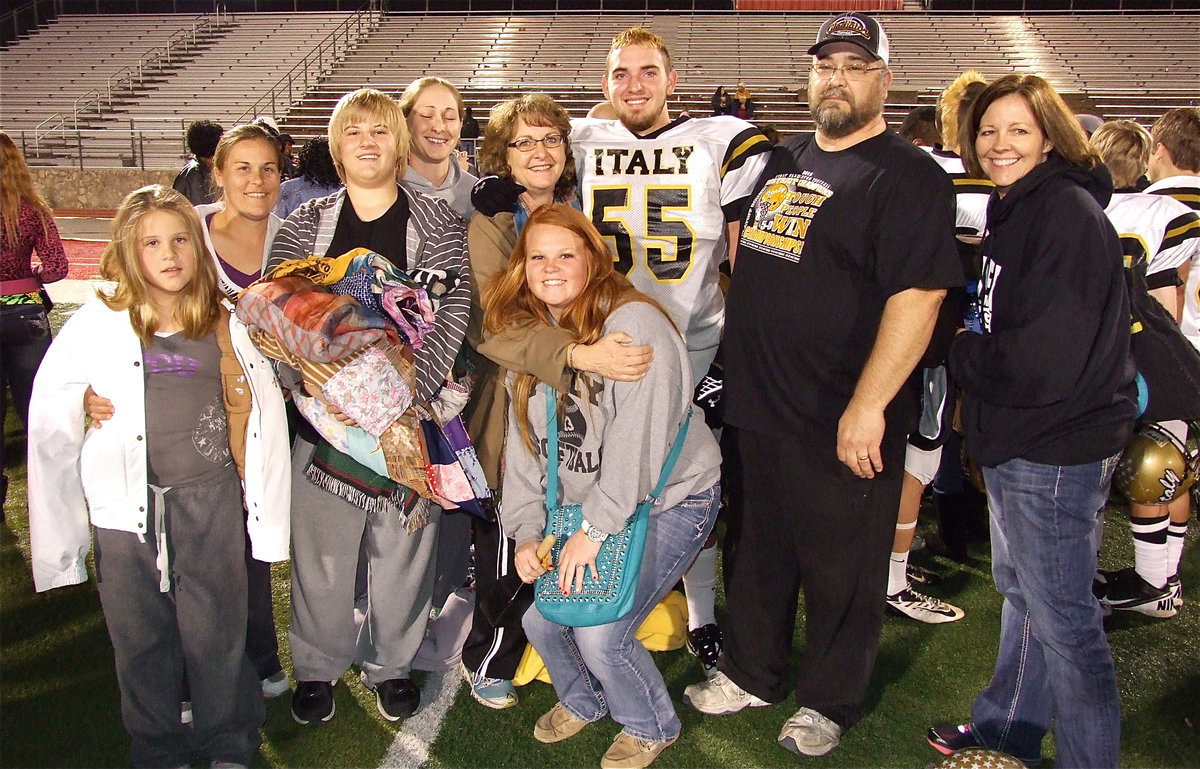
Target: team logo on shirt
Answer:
pixel 573 430
pixel 778 220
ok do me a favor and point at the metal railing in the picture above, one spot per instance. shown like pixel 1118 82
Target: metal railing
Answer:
pixel 128 79
pixel 317 64
pixel 147 143
pixel 27 16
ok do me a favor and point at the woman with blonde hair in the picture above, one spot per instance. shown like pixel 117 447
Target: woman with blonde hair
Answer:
pixel 331 512
pixel 26 227
pixel 616 438
pixel 240 227
pixel 199 427
pixel 238 230
pixel 433 109
pixel 1048 407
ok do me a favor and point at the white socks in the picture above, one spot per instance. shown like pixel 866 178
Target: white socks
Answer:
pixel 897 573
pixel 700 589
pixel 1150 549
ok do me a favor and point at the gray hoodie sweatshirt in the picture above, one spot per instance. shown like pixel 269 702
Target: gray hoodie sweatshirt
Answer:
pixel 456 190
pixel 614 439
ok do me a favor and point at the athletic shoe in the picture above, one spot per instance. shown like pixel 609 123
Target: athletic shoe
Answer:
pixel 809 733
pixel 922 608
pixel 313 701
pixel 948 738
pixel 1126 590
pixel 705 644
pixel 1176 588
pixel 720 696
pixel 631 753
pixel 396 698
pixel 185 712
pixel 557 724
pixel 920 576
pixel 494 693
pixel 275 685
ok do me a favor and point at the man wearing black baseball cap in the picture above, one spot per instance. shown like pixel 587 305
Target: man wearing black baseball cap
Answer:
pixel 855 28
pixel 844 257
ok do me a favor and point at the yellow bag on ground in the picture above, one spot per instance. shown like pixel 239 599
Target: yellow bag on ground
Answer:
pixel 663 631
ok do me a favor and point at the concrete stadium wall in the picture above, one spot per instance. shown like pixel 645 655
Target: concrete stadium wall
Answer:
pixel 93 188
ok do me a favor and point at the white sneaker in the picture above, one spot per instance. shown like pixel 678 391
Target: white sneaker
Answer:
pixel 719 696
pixel 922 608
pixel 275 685
pixel 809 733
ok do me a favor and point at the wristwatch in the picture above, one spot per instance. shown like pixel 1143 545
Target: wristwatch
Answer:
pixel 592 533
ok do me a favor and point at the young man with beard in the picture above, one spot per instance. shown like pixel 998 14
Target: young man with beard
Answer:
pixel 844 259
pixel 667 195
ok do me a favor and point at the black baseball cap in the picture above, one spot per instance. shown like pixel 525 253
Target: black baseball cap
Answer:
pixel 856 28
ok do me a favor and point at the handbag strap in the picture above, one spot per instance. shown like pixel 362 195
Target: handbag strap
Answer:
pixel 552 452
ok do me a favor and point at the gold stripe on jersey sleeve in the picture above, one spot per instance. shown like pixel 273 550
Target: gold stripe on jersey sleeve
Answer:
pixel 1181 229
pixel 755 141
pixel 965 184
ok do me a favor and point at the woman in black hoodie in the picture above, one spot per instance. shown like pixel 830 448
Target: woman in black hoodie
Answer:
pixel 1048 406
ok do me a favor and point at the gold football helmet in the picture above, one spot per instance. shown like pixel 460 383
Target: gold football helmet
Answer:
pixel 1155 468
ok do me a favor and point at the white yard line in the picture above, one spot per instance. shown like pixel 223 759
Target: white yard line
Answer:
pixel 410 749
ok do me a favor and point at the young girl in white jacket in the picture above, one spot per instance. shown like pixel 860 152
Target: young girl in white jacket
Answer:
pixel 198 424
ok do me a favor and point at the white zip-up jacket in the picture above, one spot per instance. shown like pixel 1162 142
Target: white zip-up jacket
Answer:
pixel 104 471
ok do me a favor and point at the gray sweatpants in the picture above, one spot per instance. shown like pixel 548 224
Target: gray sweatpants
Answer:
pixel 197 628
pixel 326 534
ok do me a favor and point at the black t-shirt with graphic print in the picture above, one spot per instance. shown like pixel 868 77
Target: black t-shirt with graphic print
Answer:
pixel 828 238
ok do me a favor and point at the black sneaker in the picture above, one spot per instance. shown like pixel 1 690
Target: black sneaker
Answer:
pixel 948 738
pixel 705 644
pixel 397 698
pixel 313 701
pixel 1176 588
pixel 1125 590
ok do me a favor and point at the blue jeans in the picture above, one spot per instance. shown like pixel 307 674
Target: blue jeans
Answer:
pixel 1054 662
pixel 605 669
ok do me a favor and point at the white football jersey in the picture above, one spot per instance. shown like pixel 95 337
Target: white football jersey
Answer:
pixel 970 195
pixel 1186 190
pixel 1157 228
pixel 662 202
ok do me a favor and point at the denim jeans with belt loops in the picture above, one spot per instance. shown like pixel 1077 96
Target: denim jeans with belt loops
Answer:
pixel 605 669
pixel 1054 663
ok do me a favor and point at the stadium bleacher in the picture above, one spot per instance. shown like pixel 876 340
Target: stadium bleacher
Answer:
pixel 241 64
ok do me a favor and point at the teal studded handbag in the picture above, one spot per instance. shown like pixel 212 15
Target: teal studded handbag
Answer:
pixel 609 595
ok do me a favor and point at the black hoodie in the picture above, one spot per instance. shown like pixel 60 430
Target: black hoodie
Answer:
pixel 1050 378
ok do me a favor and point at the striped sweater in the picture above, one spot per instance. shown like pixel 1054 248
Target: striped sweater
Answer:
pixel 436 240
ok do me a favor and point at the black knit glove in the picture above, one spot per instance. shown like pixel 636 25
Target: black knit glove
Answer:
pixel 709 394
pixel 495 194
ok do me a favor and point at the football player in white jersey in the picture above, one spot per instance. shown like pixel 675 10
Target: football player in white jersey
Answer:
pixel 1156 227
pixel 1174 170
pixel 923 455
pixel 665 193
pixel 667 196
pixel 1163 234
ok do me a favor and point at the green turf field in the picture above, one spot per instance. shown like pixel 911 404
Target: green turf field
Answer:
pixel 59 704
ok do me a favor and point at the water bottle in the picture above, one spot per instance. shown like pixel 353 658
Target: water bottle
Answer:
pixel 971 316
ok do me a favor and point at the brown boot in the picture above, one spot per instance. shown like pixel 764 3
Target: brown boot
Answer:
pixel 557 725
pixel 631 753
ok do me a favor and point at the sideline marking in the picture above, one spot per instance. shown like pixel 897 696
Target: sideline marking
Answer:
pixel 410 749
